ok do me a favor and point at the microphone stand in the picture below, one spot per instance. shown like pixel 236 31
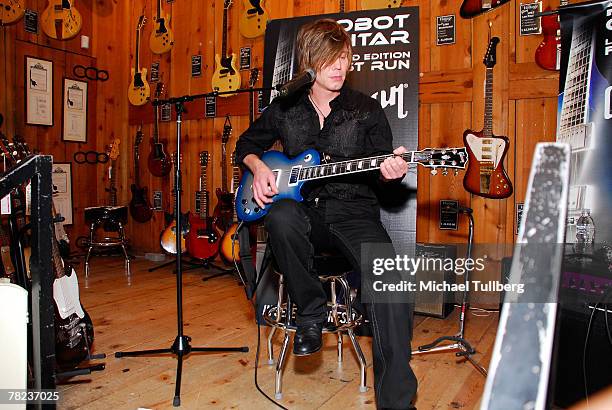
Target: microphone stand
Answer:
pixel 181 346
pixel 460 345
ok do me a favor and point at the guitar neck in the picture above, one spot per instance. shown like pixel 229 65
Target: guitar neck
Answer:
pixel 354 166
pixel 158 9
pixel 235 178
pixel 156 124
pixel 113 191
pixel 341 6
pixel 488 115
pixel 136 165
pixel 224 167
pixel 137 56
pixel 224 43
pixel 203 193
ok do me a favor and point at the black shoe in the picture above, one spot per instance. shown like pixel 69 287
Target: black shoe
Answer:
pixel 308 339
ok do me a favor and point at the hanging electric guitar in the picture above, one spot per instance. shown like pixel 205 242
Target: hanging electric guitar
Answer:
pixel 229 248
pixel 292 173
pixel 168 235
pixel 139 91
pixel 380 4
pixel 224 210
pixel 159 161
pixel 486 175
pixel 11 11
pixel 548 53
pixel 60 20
pixel 140 209
pixel 226 76
pixel 202 237
pixel 254 19
pixel 162 37
pixel 472 8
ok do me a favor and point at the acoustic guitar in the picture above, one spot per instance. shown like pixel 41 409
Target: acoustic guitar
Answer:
pixel 61 20
pixel 159 161
pixel 472 8
pixel 548 53
pixel 168 236
pixel 162 37
pixel 140 209
pixel 139 90
pixel 486 175
pixel 11 11
pixel 226 76
pixel 202 237
pixel 253 21
pixel 380 4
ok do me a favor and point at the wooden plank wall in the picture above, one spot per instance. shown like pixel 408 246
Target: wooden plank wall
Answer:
pixel 451 100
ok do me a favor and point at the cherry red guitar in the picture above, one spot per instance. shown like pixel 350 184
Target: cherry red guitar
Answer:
pixel 224 211
pixel 202 237
pixel 472 8
pixel 548 53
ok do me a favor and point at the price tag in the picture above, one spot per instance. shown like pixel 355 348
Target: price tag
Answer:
pixel 245 58
pixel 211 106
pixel 196 65
pixel 530 24
pixel 154 72
pixel 166 112
pixel 157 200
pixel 445 30
pixel 30 20
pixel 448 214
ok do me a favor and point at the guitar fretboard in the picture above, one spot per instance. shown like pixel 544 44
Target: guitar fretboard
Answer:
pixel 224 43
pixel 488 115
pixel 358 165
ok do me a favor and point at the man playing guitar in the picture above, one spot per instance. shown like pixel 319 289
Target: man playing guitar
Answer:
pixel 341 214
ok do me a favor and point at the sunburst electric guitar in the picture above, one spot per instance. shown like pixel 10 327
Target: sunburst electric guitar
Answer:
pixel 486 175
pixel 11 11
pixel 162 37
pixel 226 76
pixel 254 19
pixel 139 90
pixel 60 20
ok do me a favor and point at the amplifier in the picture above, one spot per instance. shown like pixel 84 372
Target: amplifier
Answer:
pixel 439 304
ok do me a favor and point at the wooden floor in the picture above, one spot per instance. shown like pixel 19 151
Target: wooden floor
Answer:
pixel 141 314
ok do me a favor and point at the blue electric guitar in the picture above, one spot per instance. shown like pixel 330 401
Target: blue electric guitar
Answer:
pixel 291 174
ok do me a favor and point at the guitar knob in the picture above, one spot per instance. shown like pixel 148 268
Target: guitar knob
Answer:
pixel 247 211
pixel 505 186
pixel 257 209
pixel 497 187
pixel 244 202
pixel 434 171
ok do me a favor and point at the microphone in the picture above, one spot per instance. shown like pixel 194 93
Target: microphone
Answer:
pixel 297 82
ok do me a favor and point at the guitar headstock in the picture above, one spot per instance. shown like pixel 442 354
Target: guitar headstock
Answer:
pixel 253 77
pixel 204 159
pixel 139 136
pixel 445 158
pixel 142 20
pixel 227 4
pixel 490 56
pixel 21 147
pixel 113 152
pixel 227 130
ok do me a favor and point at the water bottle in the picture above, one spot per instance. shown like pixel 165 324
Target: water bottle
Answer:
pixel 585 232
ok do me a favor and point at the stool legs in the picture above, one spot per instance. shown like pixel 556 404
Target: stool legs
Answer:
pixel 334 312
pixel 278 394
pixel 92 229
pixel 279 311
pixel 349 313
pixel 119 241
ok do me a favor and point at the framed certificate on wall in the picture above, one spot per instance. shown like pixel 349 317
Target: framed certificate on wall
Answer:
pixel 61 176
pixel 39 91
pixel 74 112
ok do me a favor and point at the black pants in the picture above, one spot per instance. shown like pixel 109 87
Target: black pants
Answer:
pixel 296 231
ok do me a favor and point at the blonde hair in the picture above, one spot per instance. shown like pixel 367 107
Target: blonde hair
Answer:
pixel 320 43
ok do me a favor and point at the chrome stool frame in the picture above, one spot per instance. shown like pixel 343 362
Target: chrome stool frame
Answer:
pixel 107 242
pixel 342 317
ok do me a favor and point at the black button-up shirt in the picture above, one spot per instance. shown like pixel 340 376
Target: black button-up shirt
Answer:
pixel 355 128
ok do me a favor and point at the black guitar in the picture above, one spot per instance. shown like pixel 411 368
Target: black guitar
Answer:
pixel 139 205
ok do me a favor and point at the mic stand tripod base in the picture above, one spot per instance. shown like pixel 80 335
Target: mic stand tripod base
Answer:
pixel 461 345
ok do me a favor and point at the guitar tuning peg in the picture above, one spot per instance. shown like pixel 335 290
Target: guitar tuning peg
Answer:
pixel 444 171
pixel 434 171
